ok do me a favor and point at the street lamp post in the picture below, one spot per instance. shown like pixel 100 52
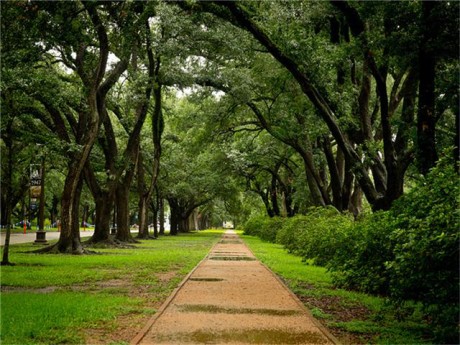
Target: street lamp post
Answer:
pixel 41 233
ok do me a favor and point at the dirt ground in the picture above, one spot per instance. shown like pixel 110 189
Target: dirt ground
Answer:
pixel 231 298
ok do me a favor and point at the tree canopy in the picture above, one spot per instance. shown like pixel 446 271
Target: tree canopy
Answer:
pixel 221 108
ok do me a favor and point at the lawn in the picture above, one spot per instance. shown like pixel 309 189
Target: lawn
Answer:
pixel 104 298
pixel 351 316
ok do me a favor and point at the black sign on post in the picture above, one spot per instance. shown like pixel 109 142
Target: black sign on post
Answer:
pixel 35 175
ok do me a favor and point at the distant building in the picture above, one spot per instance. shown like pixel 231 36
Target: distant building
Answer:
pixel 228 225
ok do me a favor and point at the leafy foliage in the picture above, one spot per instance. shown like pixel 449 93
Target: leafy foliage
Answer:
pixel 317 235
pixel 359 263
pixel 411 252
pixel 263 227
pixel 426 251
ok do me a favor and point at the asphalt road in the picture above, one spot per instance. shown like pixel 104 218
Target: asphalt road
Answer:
pixel 30 236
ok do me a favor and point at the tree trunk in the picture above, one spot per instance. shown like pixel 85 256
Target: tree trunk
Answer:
pixel 76 240
pixel 184 225
pixel 161 216
pixel 69 240
pixel 7 184
pixel 315 193
pixel 122 202
pixel 426 120
pixel 347 187
pixel 355 205
pixel 84 217
pixel 288 193
pixel 104 200
pixel 143 218
pixel 54 209
pixel 456 150
pixel 154 208
pixel 155 214
pixel 143 199
pixel 336 184
pixel 104 205
pixel 174 217
pixel 266 202
pixel 274 197
pixel 4 205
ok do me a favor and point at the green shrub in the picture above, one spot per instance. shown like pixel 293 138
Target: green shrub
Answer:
pixel 316 235
pixel 359 262
pixel 270 228
pixel 264 227
pixel 425 267
pixel 289 233
pixel 327 230
pixel 411 252
pixel 253 225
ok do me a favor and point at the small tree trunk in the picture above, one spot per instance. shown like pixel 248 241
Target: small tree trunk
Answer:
pixel 161 216
pixel 123 226
pixel 266 202
pixel 68 241
pixel 77 247
pixel 355 205
pixel 143 198
pixel 174 222
pixel 84 217
pixel 184 224
pixel 54 209
pixel 143 218
pixel 155 214
pixel 7 184
pixel 274 197
pixel 315 193
pixel 456 150
pixel 104 205
pixel 336 184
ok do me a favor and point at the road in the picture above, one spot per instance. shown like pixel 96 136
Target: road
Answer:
pixel 30 236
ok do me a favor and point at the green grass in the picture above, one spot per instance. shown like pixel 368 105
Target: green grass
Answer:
pixel 50 299
pixel 352 316
pixel 56 318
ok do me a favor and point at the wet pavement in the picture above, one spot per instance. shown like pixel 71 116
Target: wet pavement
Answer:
pixel 232 298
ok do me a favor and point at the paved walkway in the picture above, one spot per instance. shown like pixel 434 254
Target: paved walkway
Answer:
pixel 231 298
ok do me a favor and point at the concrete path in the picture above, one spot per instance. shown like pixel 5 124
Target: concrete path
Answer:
pixel 231 298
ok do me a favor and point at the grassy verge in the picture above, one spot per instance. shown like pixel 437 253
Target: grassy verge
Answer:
pixel 105 298
pixel 354 318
